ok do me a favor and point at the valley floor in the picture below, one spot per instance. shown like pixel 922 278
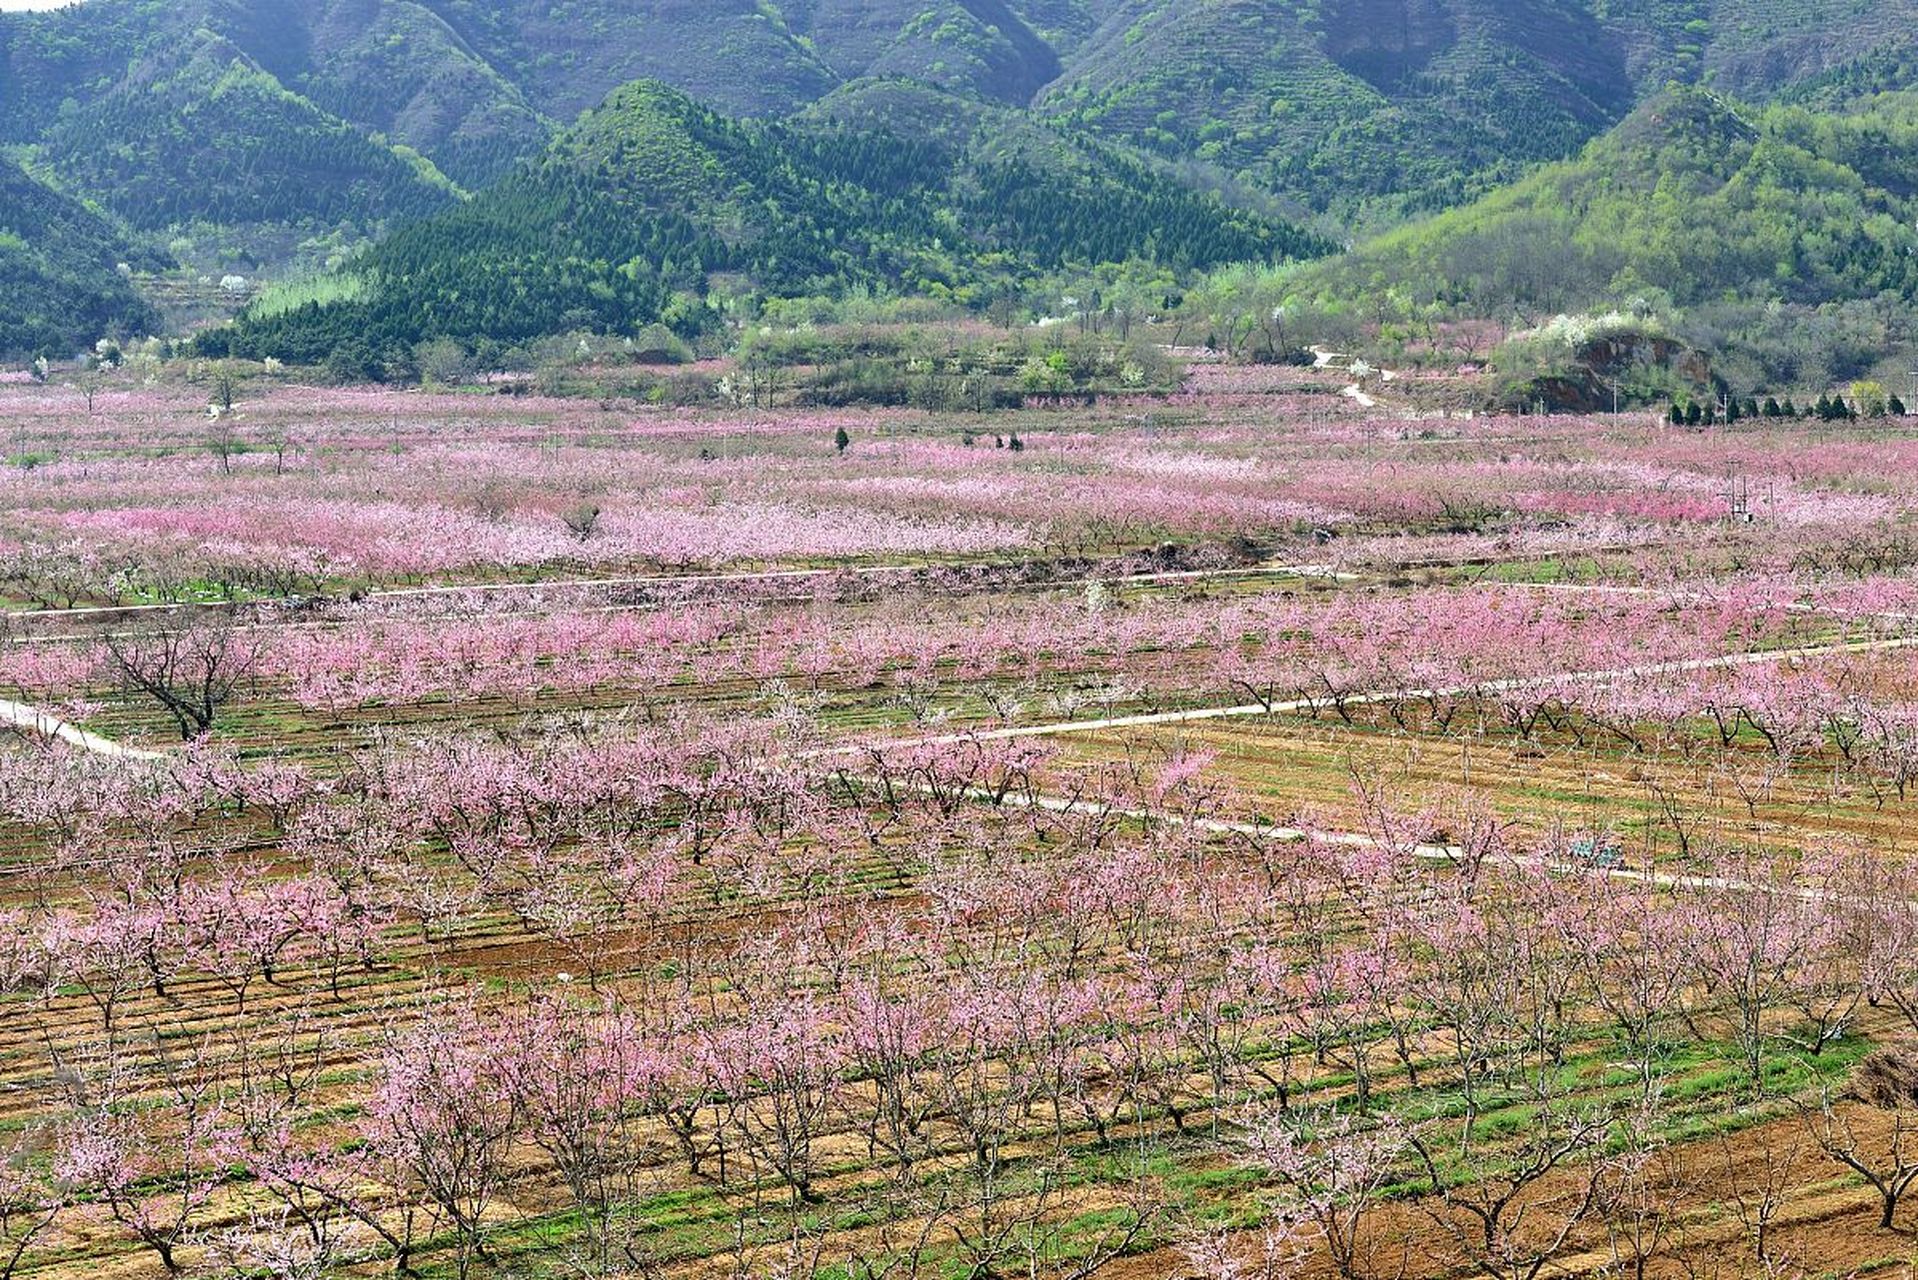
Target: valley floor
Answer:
pixel 1244 834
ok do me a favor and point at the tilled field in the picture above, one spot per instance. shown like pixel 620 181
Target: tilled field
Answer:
pixel 1214 847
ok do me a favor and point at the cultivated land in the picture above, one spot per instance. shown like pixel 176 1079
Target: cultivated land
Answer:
pixel 1241 834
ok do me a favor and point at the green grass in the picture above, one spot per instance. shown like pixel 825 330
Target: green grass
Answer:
pixel 290 295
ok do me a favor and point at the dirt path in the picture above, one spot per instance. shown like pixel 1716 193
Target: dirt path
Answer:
pixel 1243 710
pixel 1425 852
pixel 763 577
pixel 1355 392
pixel 33 720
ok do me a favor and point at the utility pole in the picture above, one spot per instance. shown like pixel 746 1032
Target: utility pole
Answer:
pixel 1738 497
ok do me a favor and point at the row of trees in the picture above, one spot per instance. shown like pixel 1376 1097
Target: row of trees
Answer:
pixel 1638 671
pixel 1868 400
pixel 882 1082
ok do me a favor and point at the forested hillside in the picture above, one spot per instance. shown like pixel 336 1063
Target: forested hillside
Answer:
pixel 1786 234
pixel 202 134
pixel 1368 108
pixel 61 285
pixel 628 216
pixel 1692 194
pixel 1354 100
pixel 278 138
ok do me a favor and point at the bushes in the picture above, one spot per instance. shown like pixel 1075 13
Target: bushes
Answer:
pixel 926 370
pixel 861 380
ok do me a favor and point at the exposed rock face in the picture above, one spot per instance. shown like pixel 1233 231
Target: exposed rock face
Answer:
pixel 1585 384
pixel 1618 354
pixel 1384 41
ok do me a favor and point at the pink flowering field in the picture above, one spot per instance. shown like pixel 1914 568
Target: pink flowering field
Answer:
pixel 1233 834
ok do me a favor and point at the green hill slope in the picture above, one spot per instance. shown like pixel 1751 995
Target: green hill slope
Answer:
pixel 391 67
pixel 1786 236
pixel 1691 198
pixel 1756 48
pixel 396 68
pixel 740 56
pixel 1342 102
pixel 60 286
pixel 627 218
pixel 1369 109
pixel 202 133
pixel 977 45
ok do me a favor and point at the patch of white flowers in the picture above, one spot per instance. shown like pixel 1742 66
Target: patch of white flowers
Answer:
pixel 1576 331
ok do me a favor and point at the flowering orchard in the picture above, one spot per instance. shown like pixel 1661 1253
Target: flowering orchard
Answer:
pixel 301 492
pixel 1236 835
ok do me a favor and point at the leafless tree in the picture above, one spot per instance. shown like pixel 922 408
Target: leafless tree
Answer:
pixel 192 669
pixel 222 443
pixel 89 384
pixel 1869 1126
pixel 1509 1213
pixel 1758 1201
pixel 1639 1191
pixel 29 1203
pixel 582 519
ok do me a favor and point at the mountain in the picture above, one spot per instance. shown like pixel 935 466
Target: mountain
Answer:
pixel 61 283
pixel 398 70
pixel 740 56
pixel 1788 234
pixel 1379 109
pixel 1376 108
pixel 980 45
pixel 1370 109
pixel 1758 48
pixel 1063 24
pixel 1345 101
pixel 391 68
pixel 630 216
pixel 200 132
pixel 276 137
